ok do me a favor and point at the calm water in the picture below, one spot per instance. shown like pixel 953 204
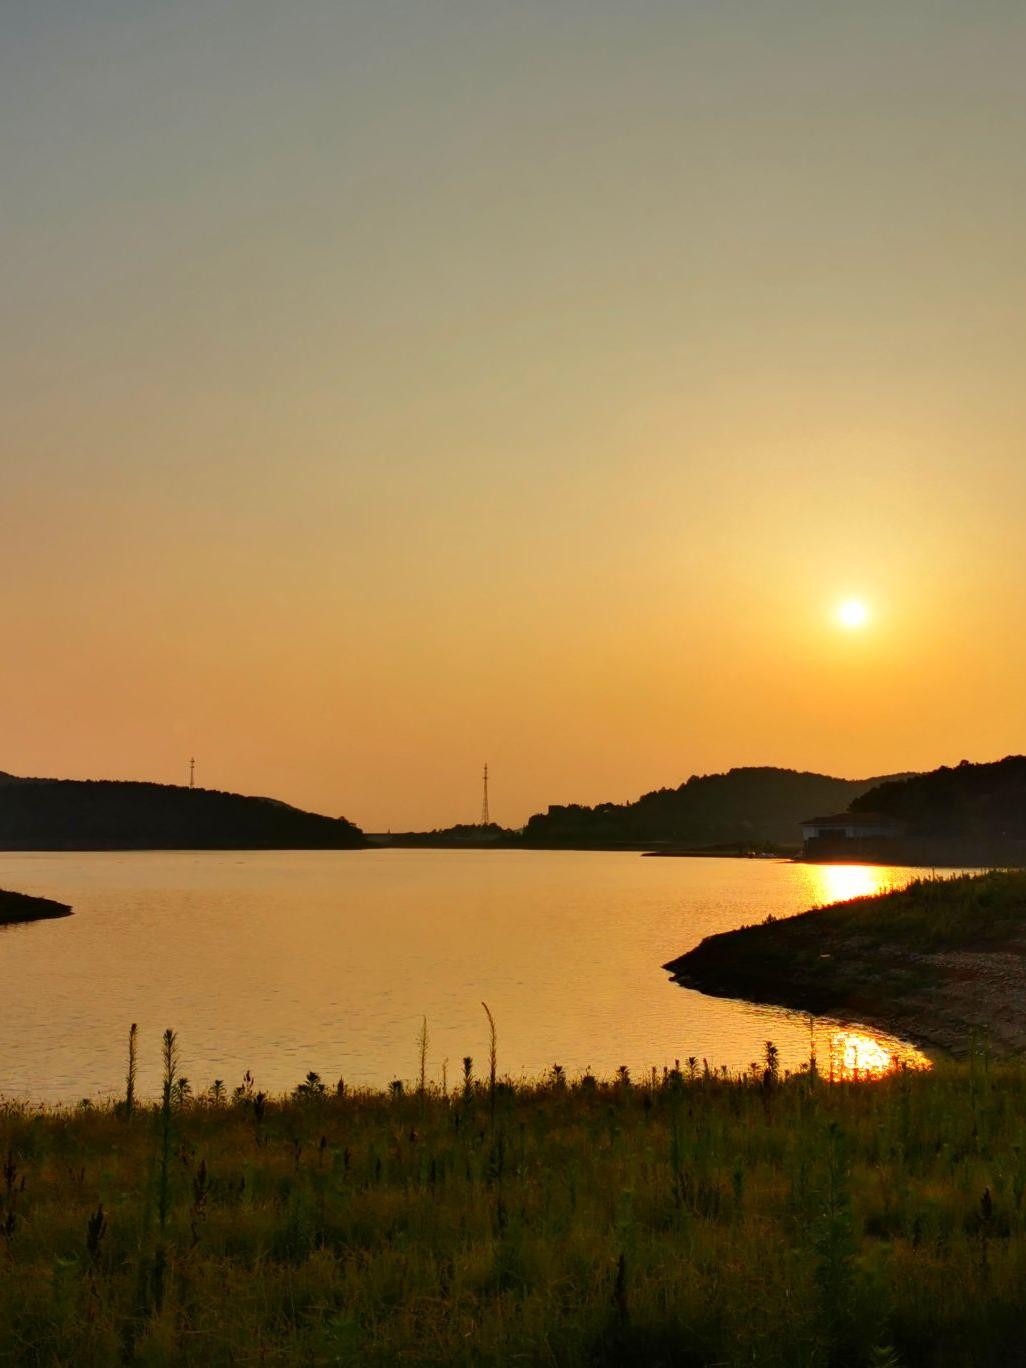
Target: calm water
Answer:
pixel 280 962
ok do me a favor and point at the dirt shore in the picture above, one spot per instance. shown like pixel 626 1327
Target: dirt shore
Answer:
pixel 867 961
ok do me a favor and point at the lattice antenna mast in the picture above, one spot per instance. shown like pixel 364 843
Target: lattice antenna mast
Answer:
pixel 192 772
pixel 485 819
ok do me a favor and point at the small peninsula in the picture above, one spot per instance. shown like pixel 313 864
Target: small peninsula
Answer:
pixel 20 907
pixel 940 962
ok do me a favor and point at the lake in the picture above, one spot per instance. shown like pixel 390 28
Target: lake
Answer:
pixel 284 961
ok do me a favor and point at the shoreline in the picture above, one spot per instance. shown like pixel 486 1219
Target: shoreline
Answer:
pixel 937 1039
pixel 939 964
pixel 18 908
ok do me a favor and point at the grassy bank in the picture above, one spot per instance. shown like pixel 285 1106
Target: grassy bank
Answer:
pixel 19 907
pixel 692 1220
pixel 939 961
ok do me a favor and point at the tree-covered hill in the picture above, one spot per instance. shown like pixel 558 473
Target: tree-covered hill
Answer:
pixel 748 807
pixel 72 814
pixel 967 801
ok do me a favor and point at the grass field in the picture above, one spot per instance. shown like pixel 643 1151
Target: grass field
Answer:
pixel 688 1219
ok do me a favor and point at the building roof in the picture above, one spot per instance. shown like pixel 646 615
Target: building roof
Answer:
pixel 853 819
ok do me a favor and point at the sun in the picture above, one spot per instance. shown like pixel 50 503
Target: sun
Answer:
pixel 852 614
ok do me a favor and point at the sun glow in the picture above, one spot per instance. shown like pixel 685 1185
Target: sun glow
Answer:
pixel 833 883
pixel 852 614
pixel 855 1054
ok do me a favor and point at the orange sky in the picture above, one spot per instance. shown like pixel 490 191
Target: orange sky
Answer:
pixel 393 387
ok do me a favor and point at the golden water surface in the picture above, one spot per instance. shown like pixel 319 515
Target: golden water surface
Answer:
pixel 281 962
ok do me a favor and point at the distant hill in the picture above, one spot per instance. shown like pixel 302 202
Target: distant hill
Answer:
pixel 101 814
pixel 967 802
pixel 747 807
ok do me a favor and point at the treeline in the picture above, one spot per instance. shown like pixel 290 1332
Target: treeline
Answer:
pixel 748 808
pixel 71 814
pixel 462 834
pixel 756 807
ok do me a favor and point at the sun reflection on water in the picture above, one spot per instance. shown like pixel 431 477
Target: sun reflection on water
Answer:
pixel 847 1054
pixel 831 883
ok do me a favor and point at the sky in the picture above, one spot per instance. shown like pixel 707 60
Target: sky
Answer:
pixel 392 387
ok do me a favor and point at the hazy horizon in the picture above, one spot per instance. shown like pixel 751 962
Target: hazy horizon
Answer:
pixel 392 388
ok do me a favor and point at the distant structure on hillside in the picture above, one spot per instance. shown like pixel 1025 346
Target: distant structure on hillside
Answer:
pixel 848 834
pixel 485 818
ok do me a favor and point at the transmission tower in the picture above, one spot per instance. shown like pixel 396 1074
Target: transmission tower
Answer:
pixel 485 819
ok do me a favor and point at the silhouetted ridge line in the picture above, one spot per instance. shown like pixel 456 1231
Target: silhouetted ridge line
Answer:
pixel 748 807
pixel 109 814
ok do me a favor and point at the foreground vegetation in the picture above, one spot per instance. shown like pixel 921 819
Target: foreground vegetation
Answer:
pixel 936 961
pixel 689 1219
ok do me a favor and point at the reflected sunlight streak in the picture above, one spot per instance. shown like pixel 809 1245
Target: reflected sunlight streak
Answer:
pixel 853 1054
pixel 839 883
